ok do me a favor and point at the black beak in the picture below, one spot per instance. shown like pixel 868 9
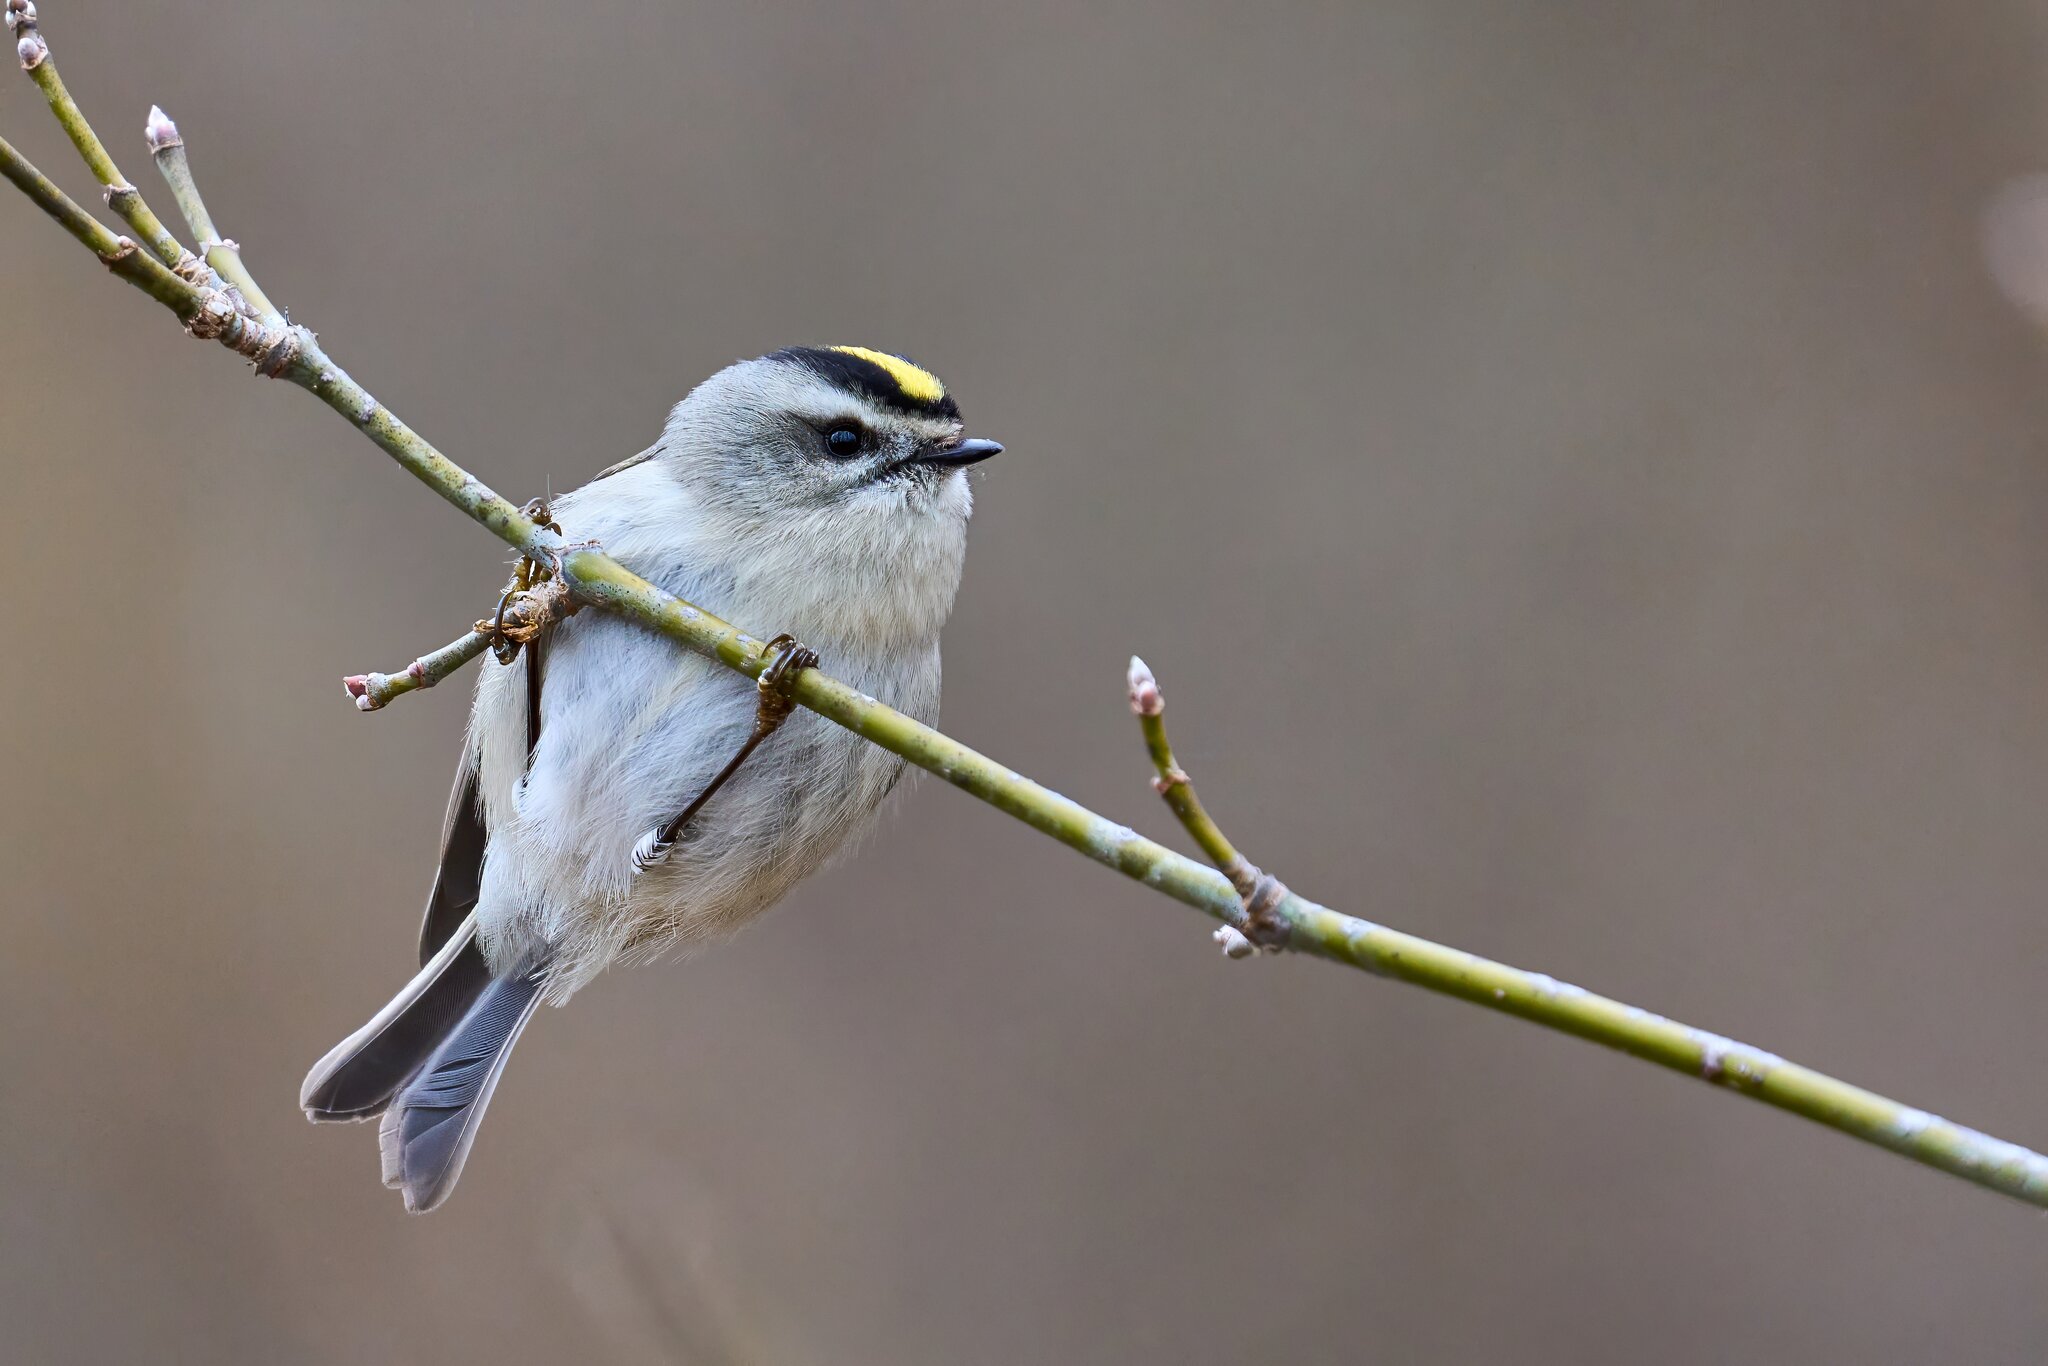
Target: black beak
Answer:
pixel 964 453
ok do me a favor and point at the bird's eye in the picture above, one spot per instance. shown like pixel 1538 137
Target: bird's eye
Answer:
pixel 845 441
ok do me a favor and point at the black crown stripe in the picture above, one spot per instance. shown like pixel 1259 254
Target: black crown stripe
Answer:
pixel 866 378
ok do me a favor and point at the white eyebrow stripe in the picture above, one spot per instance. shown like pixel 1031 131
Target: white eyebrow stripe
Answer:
pixel 825 402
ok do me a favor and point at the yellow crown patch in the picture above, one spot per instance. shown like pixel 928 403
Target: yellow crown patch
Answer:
pixel 918 384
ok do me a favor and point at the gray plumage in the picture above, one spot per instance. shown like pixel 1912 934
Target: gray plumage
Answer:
pixel 429 1126
pixel 361 1074
pixel 744 508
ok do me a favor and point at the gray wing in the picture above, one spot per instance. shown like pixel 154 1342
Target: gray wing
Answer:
pixel 462 864
pixel 629 462
pixel 463 836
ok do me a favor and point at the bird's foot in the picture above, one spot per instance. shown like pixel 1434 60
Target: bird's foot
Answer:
pixel 792 657
pixel 778 681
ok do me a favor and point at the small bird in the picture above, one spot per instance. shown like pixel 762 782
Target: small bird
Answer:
pixel 820 489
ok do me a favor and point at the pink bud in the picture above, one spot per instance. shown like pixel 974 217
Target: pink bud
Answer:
pixel 1145 697
pixel 159 131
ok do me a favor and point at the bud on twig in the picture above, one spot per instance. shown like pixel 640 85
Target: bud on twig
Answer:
pixel 1235 945
pixel 160 132
pixel 1145 698
pixel 29 44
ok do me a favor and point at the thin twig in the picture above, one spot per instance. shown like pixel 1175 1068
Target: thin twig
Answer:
pixel 223 254
pixel 1714 1058
pixel 1173 785
pixel 1148 704
pixel 373 690
pixel 527 609
pixel 122 197
pixel 595 578
pixel 118 254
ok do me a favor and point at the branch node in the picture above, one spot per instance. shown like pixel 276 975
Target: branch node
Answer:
pixel 124 247
pixel 277 354
pixel 217 313
pixel 120 197
pixel 1167 781
pixel 1265 926
pixel 224 317
pixel 524 613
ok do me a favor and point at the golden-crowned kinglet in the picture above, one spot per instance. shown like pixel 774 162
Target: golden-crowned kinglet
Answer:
pixel 820 490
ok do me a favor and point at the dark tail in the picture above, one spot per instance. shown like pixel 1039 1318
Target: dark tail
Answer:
pixel 428 1063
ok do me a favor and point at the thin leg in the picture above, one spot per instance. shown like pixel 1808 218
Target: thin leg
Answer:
pixel 774 707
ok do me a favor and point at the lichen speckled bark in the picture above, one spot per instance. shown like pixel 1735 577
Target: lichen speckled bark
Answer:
pixel 291 352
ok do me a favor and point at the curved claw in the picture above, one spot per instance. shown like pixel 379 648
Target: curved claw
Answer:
pixel 791 659
pixel 651 849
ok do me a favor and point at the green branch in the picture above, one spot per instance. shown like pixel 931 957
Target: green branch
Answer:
pixel 223 254
pixel 1255 908
pixel 118 254
pixel 373 690
pixel 1259 894
pixel 121 196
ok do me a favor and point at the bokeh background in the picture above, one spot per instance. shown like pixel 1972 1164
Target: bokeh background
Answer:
pixel 1572 465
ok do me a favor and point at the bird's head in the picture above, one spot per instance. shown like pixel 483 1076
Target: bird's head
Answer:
pixel 829 430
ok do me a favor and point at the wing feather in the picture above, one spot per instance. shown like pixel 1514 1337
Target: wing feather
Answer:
pixel 457 882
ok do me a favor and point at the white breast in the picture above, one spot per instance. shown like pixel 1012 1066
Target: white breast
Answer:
pixel 633 726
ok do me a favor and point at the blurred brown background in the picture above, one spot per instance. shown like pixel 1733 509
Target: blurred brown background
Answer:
pixel 1582 490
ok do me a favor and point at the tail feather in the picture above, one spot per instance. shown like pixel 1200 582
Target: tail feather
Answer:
pixel 361 1074
pixel 430 1125
pixel 428 1063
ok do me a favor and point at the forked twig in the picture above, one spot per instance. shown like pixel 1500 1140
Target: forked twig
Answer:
pixel 224 255
pixel 122 197
pixel 1259 893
